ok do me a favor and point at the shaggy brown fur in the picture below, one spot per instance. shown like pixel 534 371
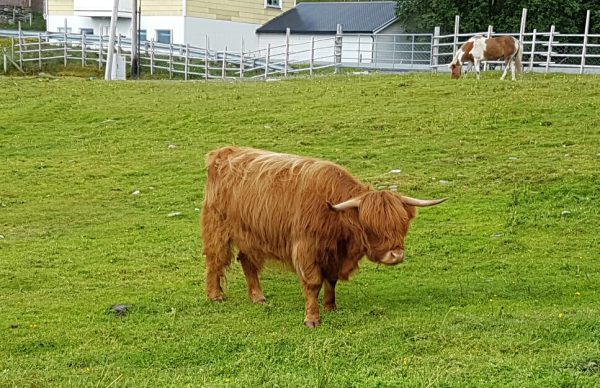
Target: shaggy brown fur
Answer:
pixel 282 207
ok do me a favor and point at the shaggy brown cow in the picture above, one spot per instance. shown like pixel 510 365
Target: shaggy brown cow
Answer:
pixel 309 214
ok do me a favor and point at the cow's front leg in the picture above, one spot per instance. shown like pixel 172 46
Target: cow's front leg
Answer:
pixel 311 294
pixel 329 299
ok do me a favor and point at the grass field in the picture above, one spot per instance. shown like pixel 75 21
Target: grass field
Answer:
pixel 501 286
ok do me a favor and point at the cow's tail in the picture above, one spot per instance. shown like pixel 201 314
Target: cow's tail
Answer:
pixel 518 58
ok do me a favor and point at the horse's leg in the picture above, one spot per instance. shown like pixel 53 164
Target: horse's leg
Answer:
pixel 513 68
pixel 506 65
pixel 476 64
pixel 469 66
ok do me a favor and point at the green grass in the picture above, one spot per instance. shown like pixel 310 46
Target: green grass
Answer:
pixel 500 287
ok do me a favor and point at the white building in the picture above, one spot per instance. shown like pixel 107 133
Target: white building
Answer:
pixel 224 22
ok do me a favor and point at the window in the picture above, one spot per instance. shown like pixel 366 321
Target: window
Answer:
pixel 142 37
pixel 273 3
pixel 87 31
pixel 163 36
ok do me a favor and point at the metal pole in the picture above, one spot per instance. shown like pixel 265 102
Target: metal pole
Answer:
pixel 40 50
pixel 287 52
pixel 489 35
pixel 5 57
pixel 187 61
pixel 111 40
pixel 206 60
pixel 337 49
pixel 223 64
pixel 65 43
pixel 83 49
pixel 100 49
pixel 456 29
pixel 267 61
pixel 585 41
pixel 312 55
pixel 242 59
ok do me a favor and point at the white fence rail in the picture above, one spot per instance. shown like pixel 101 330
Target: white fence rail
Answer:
pixel 542 51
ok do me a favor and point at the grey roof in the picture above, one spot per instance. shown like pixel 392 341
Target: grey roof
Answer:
pixel 322 18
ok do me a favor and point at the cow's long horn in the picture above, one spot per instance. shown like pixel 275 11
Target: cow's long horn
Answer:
pixel 422 202
pixel 353 202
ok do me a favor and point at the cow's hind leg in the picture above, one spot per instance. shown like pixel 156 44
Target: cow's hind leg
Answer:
pixel 251 272
pixel 217 249
pixel 329 298
pixel 312 279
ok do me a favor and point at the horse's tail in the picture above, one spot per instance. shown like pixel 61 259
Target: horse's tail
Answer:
pixel 519 56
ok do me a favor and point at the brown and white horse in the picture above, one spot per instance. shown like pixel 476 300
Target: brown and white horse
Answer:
pixel 479 48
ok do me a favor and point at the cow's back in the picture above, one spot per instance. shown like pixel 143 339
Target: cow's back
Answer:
pixel 269 200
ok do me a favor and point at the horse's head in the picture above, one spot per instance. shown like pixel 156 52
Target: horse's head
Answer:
pixel 456 69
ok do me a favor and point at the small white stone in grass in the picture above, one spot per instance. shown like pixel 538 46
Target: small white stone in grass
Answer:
pixel 443 182
pixel 598 154
pixel 137 192
pixel 513 158
pixel 565 213
pixel 174 214
pixel 172 146
pixel 197 210
pixel 395 171
pixel 1 237
pixel 394 188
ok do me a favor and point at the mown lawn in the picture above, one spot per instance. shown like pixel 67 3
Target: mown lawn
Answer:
pixel 501 286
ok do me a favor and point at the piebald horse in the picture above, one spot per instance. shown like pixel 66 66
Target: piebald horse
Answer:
pixel 479 48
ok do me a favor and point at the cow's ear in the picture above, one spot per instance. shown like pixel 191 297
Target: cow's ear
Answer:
pixel 349 204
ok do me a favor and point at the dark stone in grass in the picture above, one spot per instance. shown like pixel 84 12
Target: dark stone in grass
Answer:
pixel 546 123
pixel 14 326
pixel 120 310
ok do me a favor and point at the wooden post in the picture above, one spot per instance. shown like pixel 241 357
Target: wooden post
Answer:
pixel 152 56
pixel 550 40
pixel 83 49
pixel 267 61
pixel 456 30
pixel 585 41
pixel 435 49
pixel 532 56
pixel 242 59
pixel 187 61
pixel 100 49
pixel 489 35
pixel 337 49
pixel 206 69
pixel 523 22
pixel 224 64
pixel 287 52
pixel 170 60
pixel 312 55
pixel 39 50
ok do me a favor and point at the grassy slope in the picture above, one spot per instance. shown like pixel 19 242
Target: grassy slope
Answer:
pixel 500 286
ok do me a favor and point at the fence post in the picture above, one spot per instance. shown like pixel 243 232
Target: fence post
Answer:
pixel 242 59
pixel 585 41
pixel 65 46
pixel 187 61
pixel 286 58
pixel 523 22
pixel 152 56
pixel 435 49
pixel 489 35
pixel 456 29
pixel 100 50
pixel 223 64
pixel 312 55
pixel 267 61
pixel 83 49
pixel 206 69
pixel 170 60
pixel 40 51
pixel 550 40
pixel 532 56
pixel 20 46
pixel 337 51
pixel 5 60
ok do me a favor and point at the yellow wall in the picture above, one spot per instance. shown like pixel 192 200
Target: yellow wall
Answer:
pixel 161 7
pixel 60 7
pixel 245 11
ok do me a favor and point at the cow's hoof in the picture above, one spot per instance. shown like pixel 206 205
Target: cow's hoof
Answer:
pixel 259 300
pixel 330 307
pixel 217 298
pixel 312 324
